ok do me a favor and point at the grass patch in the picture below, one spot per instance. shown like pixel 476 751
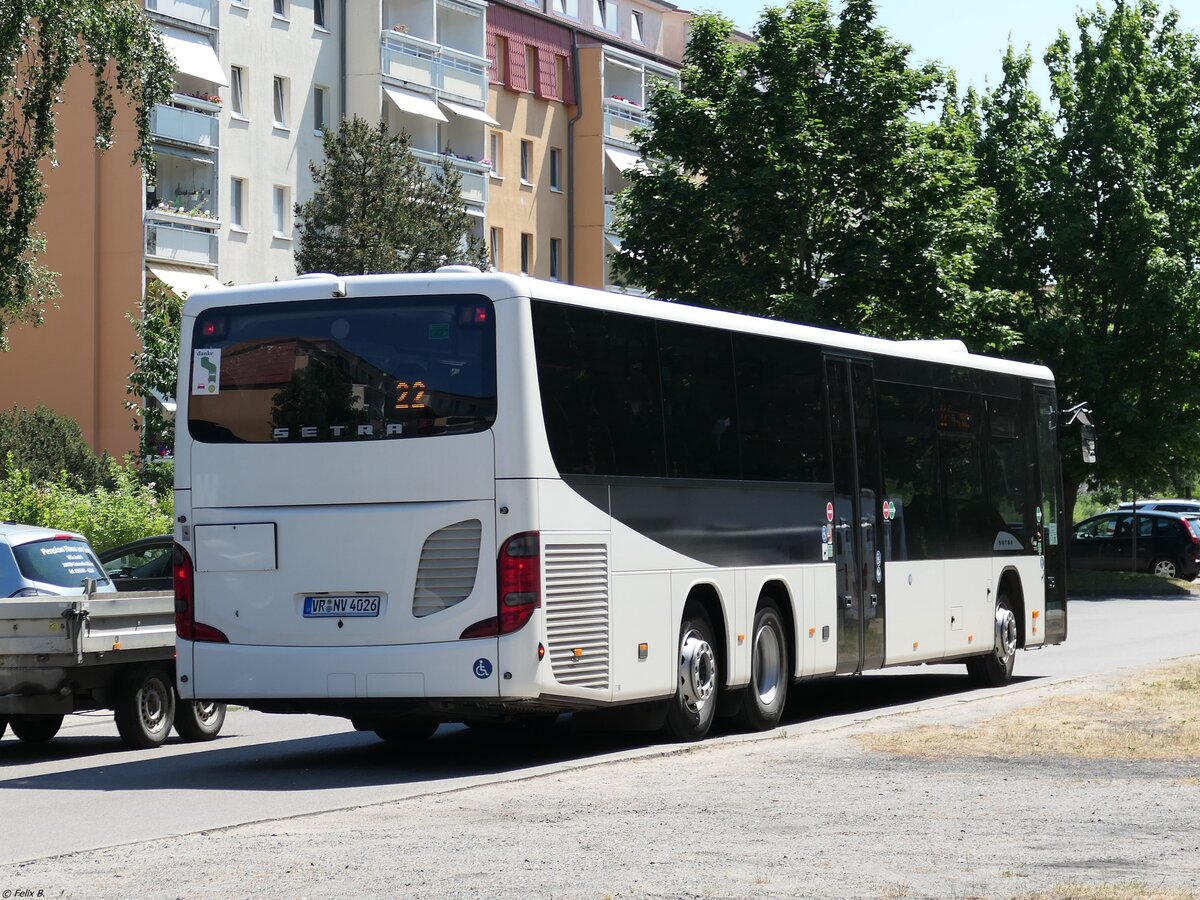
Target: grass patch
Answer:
pixel 1126 584
pixel 1152 716
pixel 1127 891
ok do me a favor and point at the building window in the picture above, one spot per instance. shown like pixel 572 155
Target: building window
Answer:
pixel 526 161
pixel 555 256
pixel 501 57
pixel 237 103
pixel 560 77
pixel 494 148
pixel 279 209
pixel 568 8
pixel 280 9
pixel 495 245
pixel 526 252
pixel 555 169
pixel 280 102
pixel 319 13
pixel 320 96
pixel 604 15
pixel 237 203
pixel 533 80
pixel 636 32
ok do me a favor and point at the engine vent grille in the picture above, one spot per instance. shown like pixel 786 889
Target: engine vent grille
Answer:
pixel 449 563
pixel 577 614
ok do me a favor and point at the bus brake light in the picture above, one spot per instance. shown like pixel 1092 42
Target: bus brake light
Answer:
pixel 183 580
pixel 518 584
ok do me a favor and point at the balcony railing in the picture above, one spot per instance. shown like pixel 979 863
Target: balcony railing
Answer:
pixel 198 12
pixel 474 175
pixel 179 243
pixel 620 118
pixel 422 62
pixel 193 127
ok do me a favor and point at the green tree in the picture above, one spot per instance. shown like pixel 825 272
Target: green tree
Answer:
pixel 376 209
pixel 789 178
pixel 155 368
pixel 41 42
pixel 1100 225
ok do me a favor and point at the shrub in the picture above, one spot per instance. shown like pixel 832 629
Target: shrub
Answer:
pixel 44 444
pixel 107 517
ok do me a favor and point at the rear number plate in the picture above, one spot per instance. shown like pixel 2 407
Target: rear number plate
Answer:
pixel 321 607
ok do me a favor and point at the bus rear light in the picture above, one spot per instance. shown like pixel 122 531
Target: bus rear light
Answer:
pixel 183 579
pixel 518 587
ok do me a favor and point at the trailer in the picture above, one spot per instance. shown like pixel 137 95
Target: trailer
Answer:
pixel 61 655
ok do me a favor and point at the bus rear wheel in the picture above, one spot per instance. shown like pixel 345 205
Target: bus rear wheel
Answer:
pixel 691 711
pixel 198 720
pixel 995 669
pixel 765 696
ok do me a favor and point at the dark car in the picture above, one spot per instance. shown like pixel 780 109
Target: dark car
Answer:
pixel 1167 544
pixel 141 565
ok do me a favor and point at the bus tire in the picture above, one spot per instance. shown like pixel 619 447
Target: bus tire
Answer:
pixel 995 669
pixel 198 720
pixel 765 696
pixel 36 729
pixel 691 711
pixel 144 709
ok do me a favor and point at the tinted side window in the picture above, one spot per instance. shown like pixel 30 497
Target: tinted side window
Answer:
pixel 598 376
pixel 1007 469
pixel 907 441
pixel 781 409
pixel 969 519
pixel 699 407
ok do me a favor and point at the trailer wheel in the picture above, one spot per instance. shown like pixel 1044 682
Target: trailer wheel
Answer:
pixel 198 720
pixel 36 729
pixel 145 707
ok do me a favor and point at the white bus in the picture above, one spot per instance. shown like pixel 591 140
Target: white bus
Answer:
pixel 462 497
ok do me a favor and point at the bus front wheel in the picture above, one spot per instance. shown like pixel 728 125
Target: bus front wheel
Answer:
pixel 691 711
pixel 767 692
pixel 995 668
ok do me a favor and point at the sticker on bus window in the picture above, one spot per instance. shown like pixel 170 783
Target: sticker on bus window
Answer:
pixel 206 371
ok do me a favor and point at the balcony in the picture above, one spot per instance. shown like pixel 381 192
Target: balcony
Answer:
pixel 177 242
pixel 474 175
pixel 620 119
pixel 189 121
pixel 195 12
pixel 422 62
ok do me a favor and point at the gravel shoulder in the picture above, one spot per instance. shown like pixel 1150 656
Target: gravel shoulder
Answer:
pixel 805 811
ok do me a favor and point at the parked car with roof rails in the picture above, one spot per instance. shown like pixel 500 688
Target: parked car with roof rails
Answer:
pixel 1173 505
pixel 1167 544
pixel 36 561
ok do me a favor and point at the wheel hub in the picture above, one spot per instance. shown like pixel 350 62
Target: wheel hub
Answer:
pixel 1006 634
pixel 697 671
pixel 766 667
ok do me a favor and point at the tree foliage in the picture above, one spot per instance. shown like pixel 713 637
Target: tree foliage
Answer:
pixel 789 178
pixel 377 209
pixel 155 368
pixel 41 42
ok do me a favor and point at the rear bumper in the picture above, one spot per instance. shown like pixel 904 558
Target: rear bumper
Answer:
pixel 306 678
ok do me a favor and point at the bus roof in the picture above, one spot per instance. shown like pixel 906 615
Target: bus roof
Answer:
pixel 500 286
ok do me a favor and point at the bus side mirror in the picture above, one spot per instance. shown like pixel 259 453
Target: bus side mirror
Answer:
pixel 1088 433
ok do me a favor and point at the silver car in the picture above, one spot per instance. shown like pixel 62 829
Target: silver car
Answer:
pixel 37 561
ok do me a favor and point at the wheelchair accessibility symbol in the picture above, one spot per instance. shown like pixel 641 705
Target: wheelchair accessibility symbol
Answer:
pixel 483 668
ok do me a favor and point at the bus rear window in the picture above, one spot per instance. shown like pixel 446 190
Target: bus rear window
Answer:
pixel 376 368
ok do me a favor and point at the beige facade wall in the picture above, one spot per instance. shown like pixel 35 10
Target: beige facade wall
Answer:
pixel 532 207
pixel 589 171
pixel 78 361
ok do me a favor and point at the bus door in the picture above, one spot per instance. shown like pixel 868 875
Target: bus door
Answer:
pixel 1051 543
pixel 858 493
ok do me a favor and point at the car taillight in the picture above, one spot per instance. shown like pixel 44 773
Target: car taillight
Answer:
pixel 1191 528
pixel 183 579
pixel 519 587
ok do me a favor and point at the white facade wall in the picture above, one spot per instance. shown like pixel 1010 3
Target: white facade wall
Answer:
pixel 253 148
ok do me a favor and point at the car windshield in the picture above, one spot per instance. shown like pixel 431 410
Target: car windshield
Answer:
pixel 64 563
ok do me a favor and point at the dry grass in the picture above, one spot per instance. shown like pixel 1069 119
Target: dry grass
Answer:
pixel 1109 892
pixel 1152 716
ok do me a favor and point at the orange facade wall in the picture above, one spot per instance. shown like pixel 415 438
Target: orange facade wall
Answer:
pixel 78 361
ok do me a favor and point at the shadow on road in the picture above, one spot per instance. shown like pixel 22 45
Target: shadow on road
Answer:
pixel 351 759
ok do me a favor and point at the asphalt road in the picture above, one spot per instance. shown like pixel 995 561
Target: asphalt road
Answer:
pixel 85 792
